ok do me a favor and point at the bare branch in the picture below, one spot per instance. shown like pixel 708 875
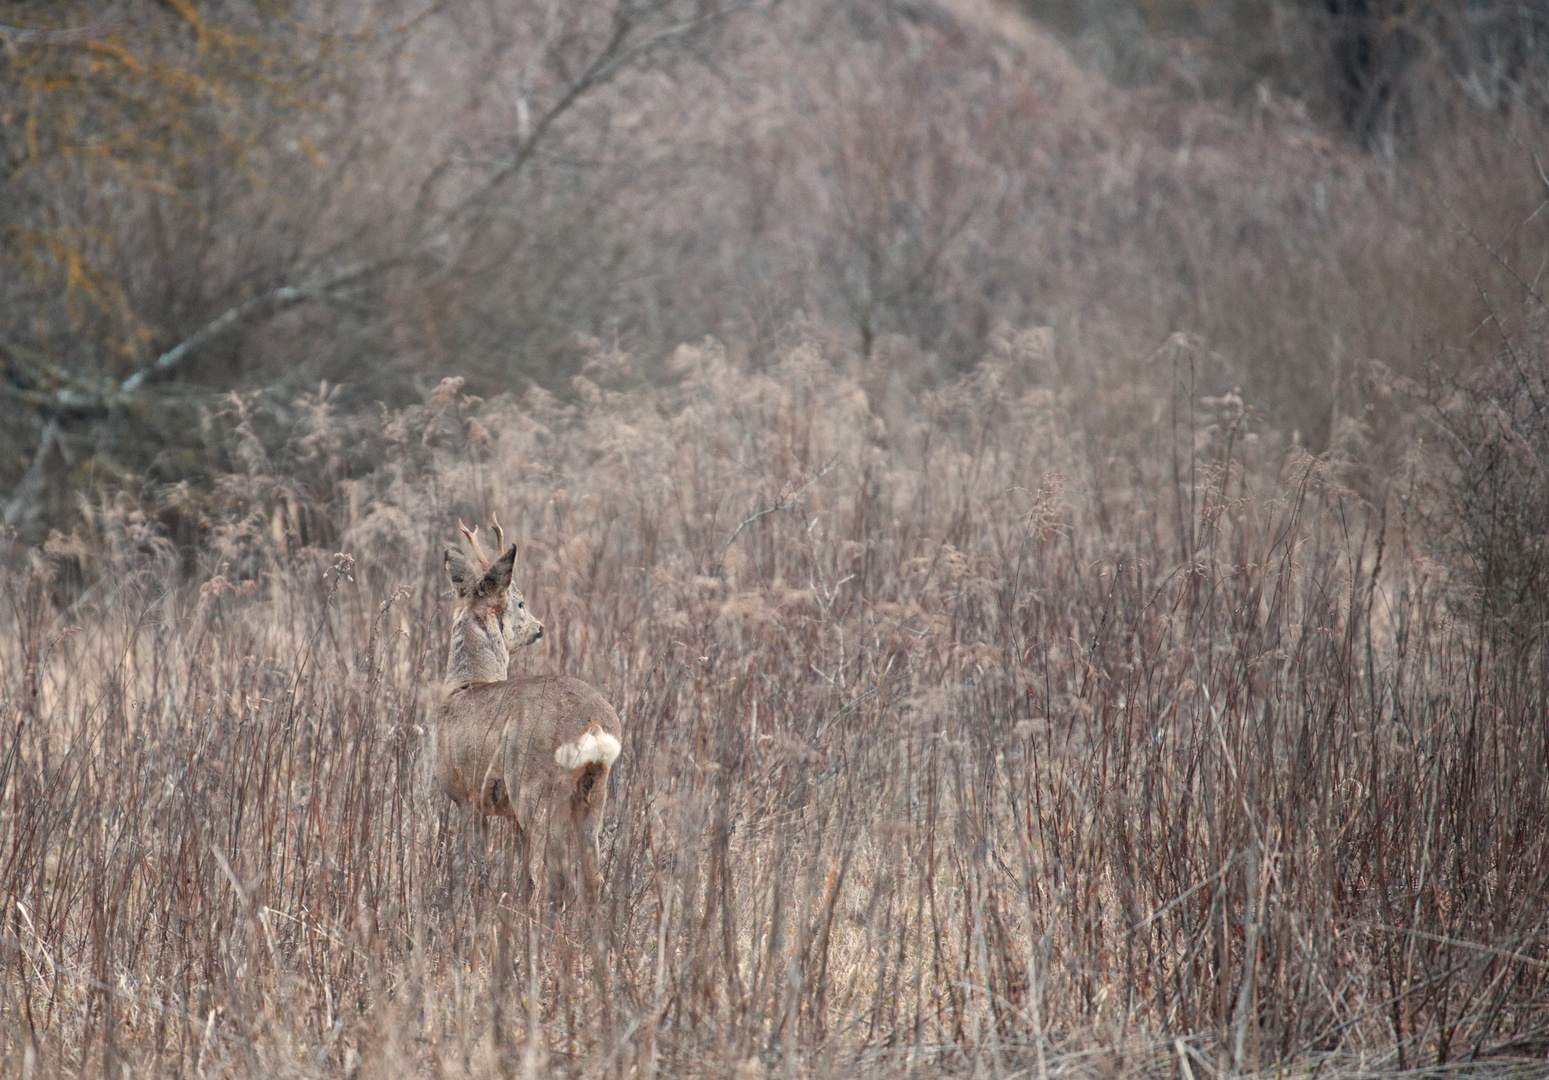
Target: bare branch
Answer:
pixel 267 303
pixel 617 53
pixel 279 298
pixel 13 36
pixel 24 504
pixel 781 503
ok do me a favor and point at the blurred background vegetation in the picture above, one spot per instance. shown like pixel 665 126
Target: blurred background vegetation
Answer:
pixel 255 197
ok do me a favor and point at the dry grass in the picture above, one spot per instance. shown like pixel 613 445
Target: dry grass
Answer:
pixel 960 737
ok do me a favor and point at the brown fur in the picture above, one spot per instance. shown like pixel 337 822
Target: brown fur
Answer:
pixel 506 748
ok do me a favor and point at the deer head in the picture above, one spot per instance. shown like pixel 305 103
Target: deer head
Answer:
pixel 490 619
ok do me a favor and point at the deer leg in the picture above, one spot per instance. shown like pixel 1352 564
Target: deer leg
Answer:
pixel 532 817
pixel 589 795
pixel 524 879
pixel 483 830
pixel 494 798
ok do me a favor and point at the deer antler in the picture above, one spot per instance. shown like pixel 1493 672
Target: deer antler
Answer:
pixel 500 534
pixel 473 542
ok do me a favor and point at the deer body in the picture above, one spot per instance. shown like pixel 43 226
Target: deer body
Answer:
pixel 512 747
pixel 535 750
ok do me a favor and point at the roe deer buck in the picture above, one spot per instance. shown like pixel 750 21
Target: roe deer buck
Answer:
pixel 536 750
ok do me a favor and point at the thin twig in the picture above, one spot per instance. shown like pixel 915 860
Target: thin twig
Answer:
pixel 24 502
pixel 12 36
pixel 788 503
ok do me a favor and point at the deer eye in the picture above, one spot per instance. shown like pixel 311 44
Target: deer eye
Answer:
pixel 521 605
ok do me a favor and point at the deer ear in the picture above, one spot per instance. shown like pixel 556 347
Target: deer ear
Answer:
pixel 460 571
pixel 497 579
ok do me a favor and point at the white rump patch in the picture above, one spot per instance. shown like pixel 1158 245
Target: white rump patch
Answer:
pixel 595 745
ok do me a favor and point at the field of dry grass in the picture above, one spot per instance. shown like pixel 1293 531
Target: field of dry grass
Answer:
pixel 998 731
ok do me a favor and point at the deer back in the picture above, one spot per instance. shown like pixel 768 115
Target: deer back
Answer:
pixel 511 747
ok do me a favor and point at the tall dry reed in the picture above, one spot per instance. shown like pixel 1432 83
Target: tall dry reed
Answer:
pixel 985 732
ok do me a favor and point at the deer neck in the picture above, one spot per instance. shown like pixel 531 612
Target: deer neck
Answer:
pixel 476 655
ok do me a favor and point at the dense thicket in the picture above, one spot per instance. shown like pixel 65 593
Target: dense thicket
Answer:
pixel 238 195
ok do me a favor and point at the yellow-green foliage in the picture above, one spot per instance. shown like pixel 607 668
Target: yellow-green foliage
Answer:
pixel 132 136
